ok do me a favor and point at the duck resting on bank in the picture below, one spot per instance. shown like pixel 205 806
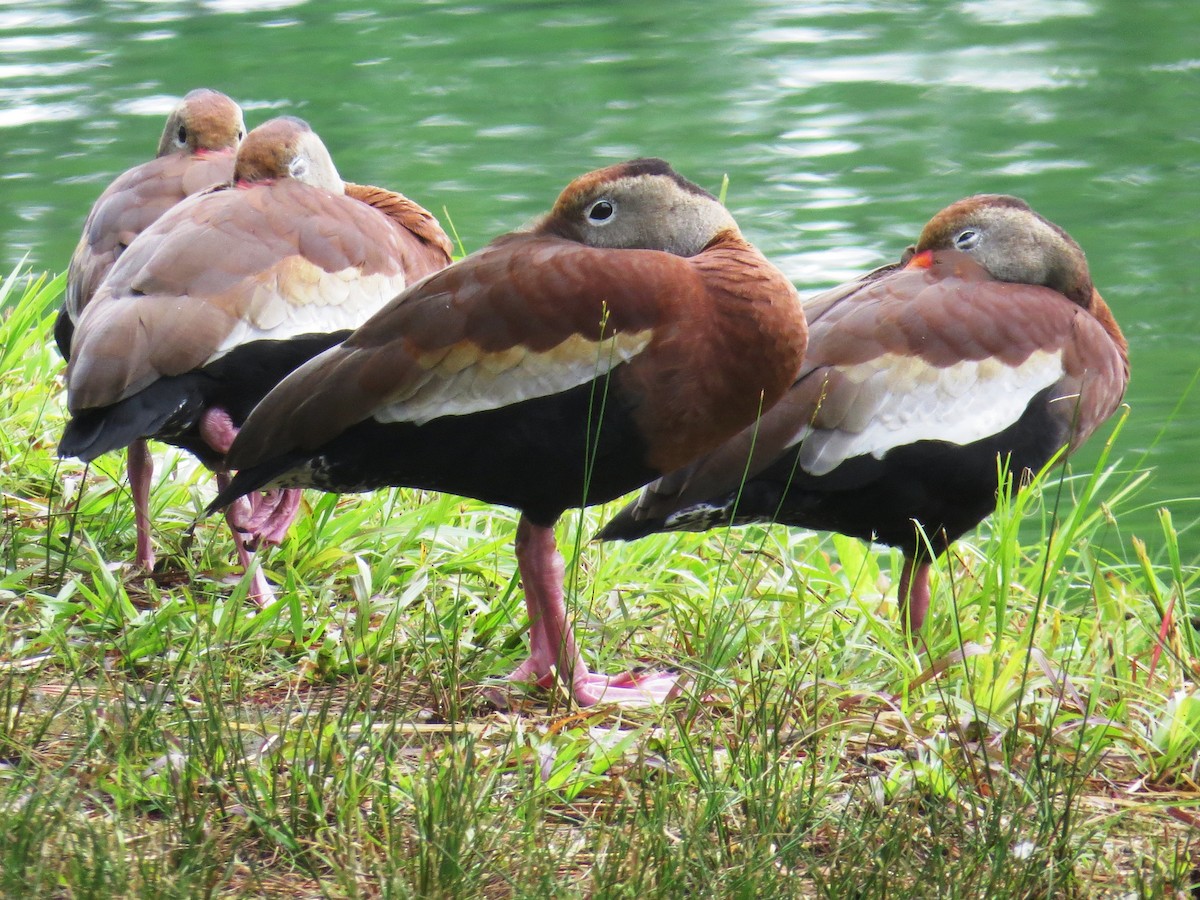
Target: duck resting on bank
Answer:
pixel 986 347
pixel 630 330
pixel 196 150
pixel 225 294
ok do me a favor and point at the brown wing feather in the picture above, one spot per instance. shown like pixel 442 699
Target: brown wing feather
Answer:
pixel 127 207
pixel 434 250
pixel 524 311
pixel 951 312
pixel 1097 363
pixel 524 292
pixel 225 260
pixel 702 386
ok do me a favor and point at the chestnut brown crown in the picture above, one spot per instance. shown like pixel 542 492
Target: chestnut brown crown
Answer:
pixel 643 204
pixel 1014 243
pixel 286 147
pixel 204 120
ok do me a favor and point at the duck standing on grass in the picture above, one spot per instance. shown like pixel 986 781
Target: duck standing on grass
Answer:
pixel 628 331
pixel 988 347
pixel 228 292
pixel 196 151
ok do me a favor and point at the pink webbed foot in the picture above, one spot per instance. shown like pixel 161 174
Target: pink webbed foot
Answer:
pixel 631 689
pixel 276 527
pixel 258 509
pixel 589 688
pixel 272 513
pixel 240 514
pixel 554 655
pixel 260 518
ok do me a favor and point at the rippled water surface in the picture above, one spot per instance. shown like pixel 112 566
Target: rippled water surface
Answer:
pixel 842 126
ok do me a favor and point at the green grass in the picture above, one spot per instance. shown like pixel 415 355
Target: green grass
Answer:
pixel 163 738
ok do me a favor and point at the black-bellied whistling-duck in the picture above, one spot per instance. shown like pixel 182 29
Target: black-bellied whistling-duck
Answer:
pixel 196 151
pixel 990 341
pixel 628 331
pixel 229 291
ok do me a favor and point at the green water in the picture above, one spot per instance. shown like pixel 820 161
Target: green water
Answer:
pixel 842 128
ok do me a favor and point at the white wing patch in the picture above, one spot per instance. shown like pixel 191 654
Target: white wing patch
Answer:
pixel 302 298
pixel 901 399
pixel 463 378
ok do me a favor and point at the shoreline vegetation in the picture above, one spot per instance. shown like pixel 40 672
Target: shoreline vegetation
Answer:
pixel 163 737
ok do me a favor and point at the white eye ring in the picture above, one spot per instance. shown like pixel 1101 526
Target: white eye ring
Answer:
pixel 966 239
pixel 601 212
pixel 181 136
pixel 298 167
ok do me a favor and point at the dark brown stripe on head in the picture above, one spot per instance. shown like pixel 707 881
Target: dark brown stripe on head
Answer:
pixel 651 165
pixel 646 166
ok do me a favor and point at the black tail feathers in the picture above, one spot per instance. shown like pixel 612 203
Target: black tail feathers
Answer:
pixel 626 526
pixel 167 407
pixel 253 479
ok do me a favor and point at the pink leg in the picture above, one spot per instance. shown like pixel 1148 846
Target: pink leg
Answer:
pixel 260 589
pixel 140 466
pixel 913 594
pixel 553 652
pixel 218 432
pixel 264 517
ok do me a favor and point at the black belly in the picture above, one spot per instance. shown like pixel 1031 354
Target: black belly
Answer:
pixel 170 409
pixel 541 456
pixel 947 488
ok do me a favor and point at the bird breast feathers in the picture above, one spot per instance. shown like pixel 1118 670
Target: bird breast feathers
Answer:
pixel 891 400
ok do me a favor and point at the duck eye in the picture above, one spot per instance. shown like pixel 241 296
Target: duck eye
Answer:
pixel 967 239
pixel 600 212
pixel 181 135
pixel 298 167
